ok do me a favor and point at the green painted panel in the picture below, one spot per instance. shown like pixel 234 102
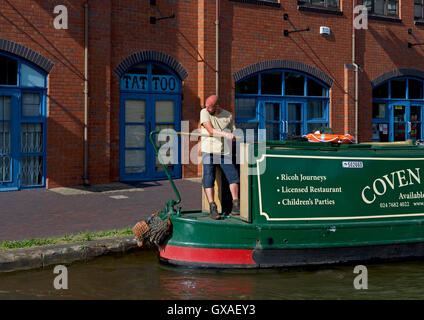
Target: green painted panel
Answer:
pixel 338 184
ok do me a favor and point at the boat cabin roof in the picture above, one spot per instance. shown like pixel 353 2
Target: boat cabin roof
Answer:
pixel 319 145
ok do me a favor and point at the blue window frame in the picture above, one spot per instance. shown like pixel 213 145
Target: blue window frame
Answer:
pixel 150 100
pixel 398 106
pixel 284 102
pixel 382 7
pixel 23 90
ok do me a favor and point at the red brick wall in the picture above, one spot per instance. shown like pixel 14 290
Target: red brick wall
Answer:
pixel 254 33
pixel 100 74
pixel 30 23
pixel 383 48
pixel 249 34
pixel 132 32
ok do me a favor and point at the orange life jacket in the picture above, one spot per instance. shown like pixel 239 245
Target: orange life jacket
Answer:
pixel 336 138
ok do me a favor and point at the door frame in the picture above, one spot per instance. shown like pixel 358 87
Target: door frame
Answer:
pixel 262 113
pixel 421 105
pixel 150 173
pixel 176 171
pixel 303 122
pixel 123 176
pixel 392 105
pixel 407 120
pixel 15 143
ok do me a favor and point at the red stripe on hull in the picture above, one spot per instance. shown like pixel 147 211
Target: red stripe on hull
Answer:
pixel 207 255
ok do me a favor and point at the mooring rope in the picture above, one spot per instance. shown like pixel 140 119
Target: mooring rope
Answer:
pixel 154 229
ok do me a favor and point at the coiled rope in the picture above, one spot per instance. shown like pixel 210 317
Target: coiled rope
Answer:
pixel 153 230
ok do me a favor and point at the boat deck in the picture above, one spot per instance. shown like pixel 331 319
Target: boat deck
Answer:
pixel 205 217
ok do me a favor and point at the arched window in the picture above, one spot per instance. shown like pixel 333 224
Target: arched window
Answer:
pixel 150 100
pixel 22 124
pixel 398 110
pixel 284 102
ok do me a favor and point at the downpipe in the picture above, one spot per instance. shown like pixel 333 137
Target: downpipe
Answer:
pixel 86 182
pixel 217 48
pixel 356 71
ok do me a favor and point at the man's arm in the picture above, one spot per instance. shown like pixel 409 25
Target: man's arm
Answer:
pixel 215 132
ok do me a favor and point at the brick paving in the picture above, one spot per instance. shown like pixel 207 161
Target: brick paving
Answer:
pixel 44 213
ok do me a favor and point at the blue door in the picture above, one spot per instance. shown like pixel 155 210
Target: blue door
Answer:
pixel 9 141
pixel 295 124
pixel 399 121
pixel 415 121
pixel 166 116
pixel 405 120
pixel 272 119
pixel 141 114
pixel 282 118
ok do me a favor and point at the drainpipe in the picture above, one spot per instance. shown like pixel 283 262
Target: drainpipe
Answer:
pixel 356 101
pixel 356 67
pixel 217 48
pixel 85 177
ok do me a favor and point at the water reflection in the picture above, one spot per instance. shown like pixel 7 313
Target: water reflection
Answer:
pixel 212 285
pixel 138 275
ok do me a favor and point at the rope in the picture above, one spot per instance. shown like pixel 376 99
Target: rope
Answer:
pixel 154 230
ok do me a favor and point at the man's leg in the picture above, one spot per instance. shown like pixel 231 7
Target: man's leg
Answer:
pixel 209 194
pixel 208 176
pixel 234 188
pixel 232 176
pixel 208 184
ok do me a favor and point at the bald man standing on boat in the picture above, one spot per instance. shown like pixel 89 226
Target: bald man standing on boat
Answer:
pixel 218 123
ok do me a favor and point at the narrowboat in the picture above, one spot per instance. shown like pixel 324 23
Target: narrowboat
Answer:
pixel 306 204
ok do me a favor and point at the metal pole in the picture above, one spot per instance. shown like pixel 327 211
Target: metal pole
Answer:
pixel 356 69
pixel 217 48
pixel 85 177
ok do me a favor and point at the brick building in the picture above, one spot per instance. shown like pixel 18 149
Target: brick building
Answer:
pixel 151 64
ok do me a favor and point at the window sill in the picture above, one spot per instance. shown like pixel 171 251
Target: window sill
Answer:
pixel 260 3
pixel 419 22
pixel 383 18
pixel 301 6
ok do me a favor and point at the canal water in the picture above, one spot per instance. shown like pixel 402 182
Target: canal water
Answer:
pixel 138 275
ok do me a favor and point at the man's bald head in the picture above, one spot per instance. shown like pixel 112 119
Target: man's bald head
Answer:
pixel 211 104
pixel 211 100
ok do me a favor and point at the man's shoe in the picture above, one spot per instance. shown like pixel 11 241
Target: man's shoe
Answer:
pixel 236 208
pixel 213 210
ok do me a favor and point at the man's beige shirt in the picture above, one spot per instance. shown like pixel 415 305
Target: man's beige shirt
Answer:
pixel 222 121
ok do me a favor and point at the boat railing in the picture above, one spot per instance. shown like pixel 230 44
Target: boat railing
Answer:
pixel 170 206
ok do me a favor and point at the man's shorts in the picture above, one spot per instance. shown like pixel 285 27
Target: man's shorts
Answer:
pixel 210 160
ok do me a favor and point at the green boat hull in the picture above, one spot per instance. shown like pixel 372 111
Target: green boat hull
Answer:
pixel 283 245
pixel 311 205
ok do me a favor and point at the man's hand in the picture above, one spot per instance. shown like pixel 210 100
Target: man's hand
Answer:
pixel 225 134
pixel 229 135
